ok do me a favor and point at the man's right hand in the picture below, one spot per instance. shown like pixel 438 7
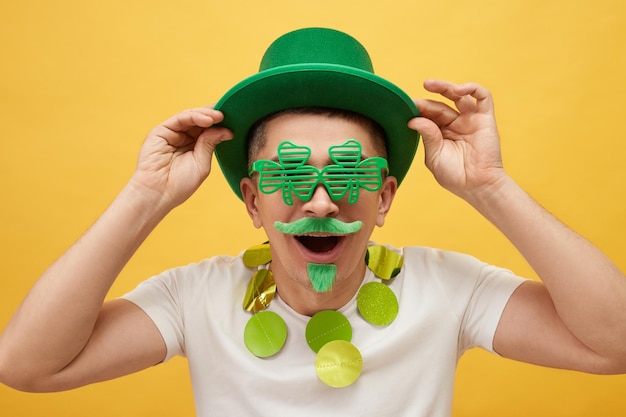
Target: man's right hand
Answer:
pixel 176 156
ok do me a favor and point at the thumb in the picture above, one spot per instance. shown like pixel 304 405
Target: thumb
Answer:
pixel 206 143
pixel 432 138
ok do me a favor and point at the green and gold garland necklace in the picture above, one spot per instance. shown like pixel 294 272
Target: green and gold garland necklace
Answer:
pixel 328 333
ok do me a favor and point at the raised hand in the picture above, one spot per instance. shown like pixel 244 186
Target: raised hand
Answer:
pixel 176 156
pixel 462 146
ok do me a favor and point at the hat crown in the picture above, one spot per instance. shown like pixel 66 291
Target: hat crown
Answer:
pixel 316 46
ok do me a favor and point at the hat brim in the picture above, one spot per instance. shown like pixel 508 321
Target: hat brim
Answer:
pixel 322 85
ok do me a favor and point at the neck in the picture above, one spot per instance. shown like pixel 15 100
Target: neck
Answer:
pixel 298 293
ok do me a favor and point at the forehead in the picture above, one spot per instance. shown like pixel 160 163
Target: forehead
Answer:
pixel 318 132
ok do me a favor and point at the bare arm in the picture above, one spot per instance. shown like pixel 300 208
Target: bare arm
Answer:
pixel 61 336
pixel 576 317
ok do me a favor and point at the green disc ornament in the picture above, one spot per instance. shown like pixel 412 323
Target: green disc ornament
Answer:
pixel 265 334
pixel 338 364
pixel 377 303
pixel 326 326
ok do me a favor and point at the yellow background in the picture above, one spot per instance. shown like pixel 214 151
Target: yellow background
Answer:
pixel 81 83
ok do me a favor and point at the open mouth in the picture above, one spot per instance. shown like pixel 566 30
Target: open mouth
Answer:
pixel 319 244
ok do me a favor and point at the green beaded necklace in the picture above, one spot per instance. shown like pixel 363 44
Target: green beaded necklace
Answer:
pixel 338 362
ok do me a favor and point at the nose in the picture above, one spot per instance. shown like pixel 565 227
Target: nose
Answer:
pixel 320 204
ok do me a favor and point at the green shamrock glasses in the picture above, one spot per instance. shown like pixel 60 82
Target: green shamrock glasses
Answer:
pixel 347 175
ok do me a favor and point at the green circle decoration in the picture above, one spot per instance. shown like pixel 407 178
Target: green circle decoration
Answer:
pixel 338 363
pixel 326 326
pixel 265 334
pixel 377 303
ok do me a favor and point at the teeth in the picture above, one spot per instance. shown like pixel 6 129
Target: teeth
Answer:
pixel 316 235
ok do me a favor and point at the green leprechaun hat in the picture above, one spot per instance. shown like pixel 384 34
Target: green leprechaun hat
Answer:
pixel 316 67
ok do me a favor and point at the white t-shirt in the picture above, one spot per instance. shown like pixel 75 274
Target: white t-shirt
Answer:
pixel 448 303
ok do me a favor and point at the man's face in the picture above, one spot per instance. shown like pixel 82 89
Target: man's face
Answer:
pixel 291 254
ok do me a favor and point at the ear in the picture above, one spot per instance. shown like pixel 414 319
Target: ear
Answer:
pixel 387 194
pixel 249 192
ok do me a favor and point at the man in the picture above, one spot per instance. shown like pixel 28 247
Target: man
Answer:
pixel 318 320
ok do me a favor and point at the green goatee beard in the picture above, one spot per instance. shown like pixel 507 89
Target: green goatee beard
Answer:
pixel 322 276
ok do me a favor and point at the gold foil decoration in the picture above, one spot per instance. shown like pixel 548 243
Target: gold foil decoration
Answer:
pixel 257 255
pixel 260 292
pixel 383 262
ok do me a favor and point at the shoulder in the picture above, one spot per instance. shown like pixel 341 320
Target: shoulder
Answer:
pixel 217 275
pixel 206 269
pixel 435 260
pixel 457 274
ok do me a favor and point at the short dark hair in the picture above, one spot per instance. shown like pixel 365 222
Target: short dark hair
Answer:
pixel 257 133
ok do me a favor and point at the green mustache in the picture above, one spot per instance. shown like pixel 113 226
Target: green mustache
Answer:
pixel 318 225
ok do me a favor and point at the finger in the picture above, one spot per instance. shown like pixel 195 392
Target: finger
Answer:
pixel 444 88
pixel 438 112
pixel 184 128
pixel 483 97
pixel 463 102
pixel 200 116
pixel 467 96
